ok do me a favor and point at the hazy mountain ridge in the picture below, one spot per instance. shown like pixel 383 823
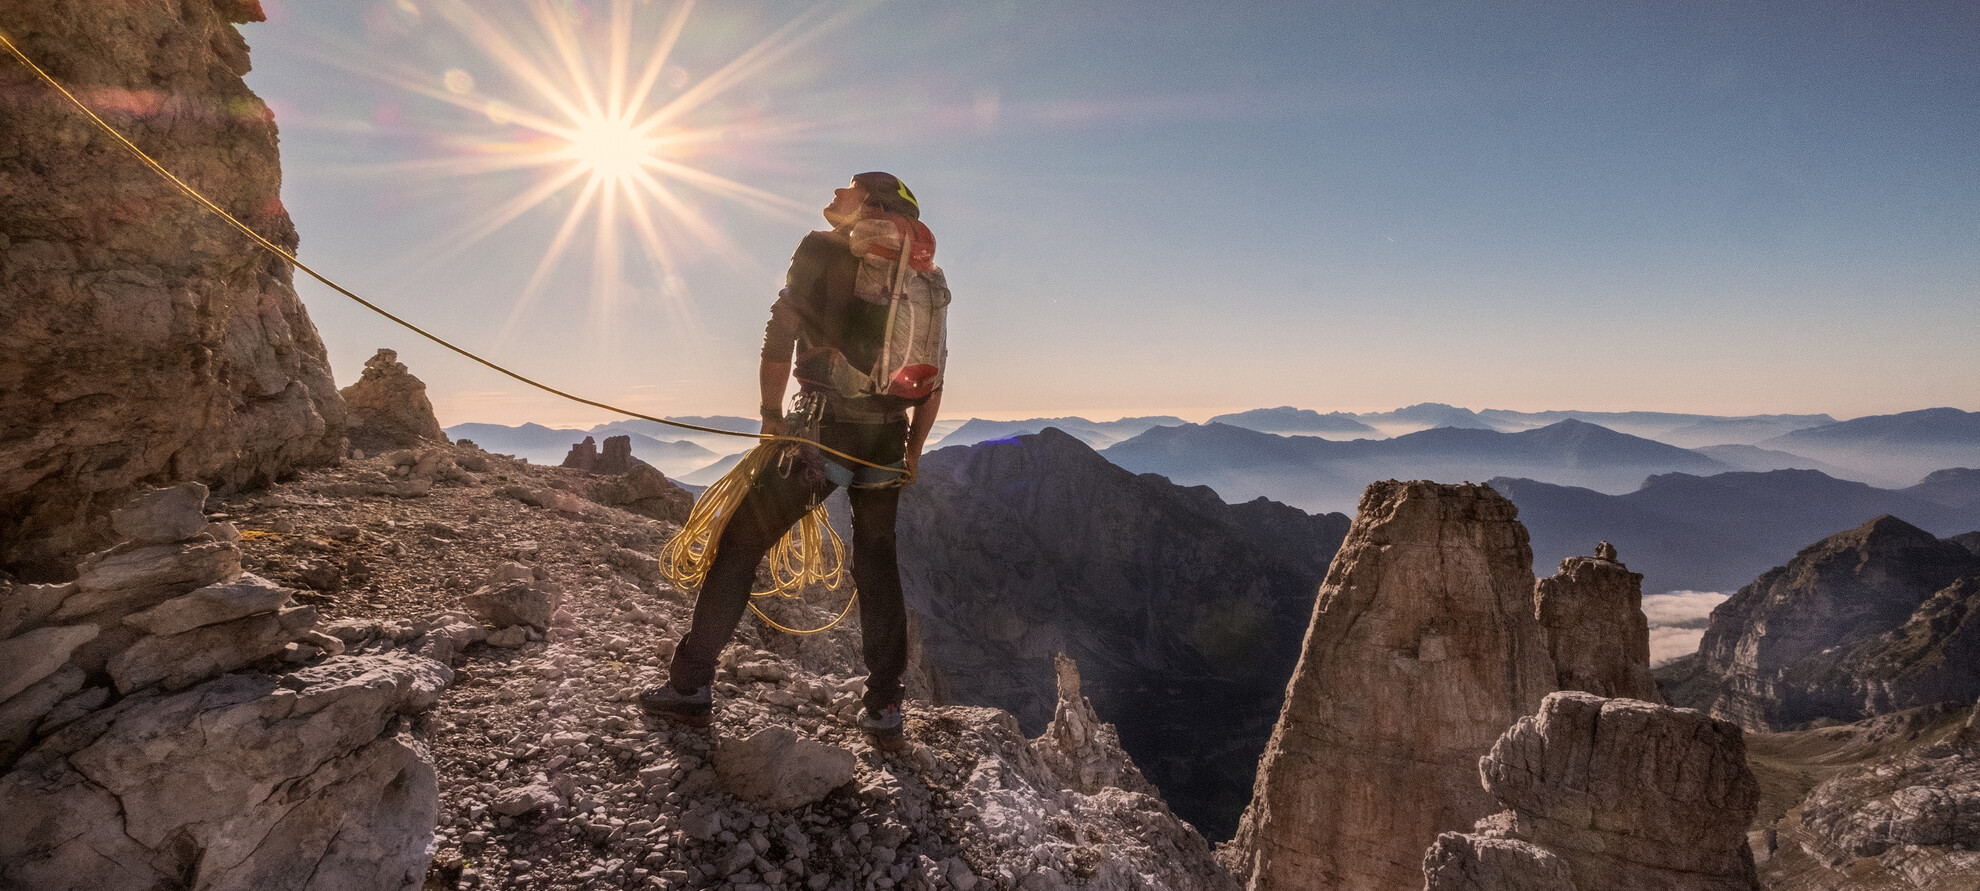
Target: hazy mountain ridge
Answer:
pixel 538 444
pixel 1317 474
pixel 1714 533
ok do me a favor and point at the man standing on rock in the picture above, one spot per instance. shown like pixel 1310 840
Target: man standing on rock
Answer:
pixel 832 326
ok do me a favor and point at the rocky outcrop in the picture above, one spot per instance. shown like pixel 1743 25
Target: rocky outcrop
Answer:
pixel 1591 613
pixel 1422 649
pixel 139 759
pixel 1910 819
pixel 1608 793
pixel 617 457
pixel 142 340
pixel 1774 650
pixel 388 408
pixel 307 780
pixel 1183 612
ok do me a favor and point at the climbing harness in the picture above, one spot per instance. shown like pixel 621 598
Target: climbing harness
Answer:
pixel 800 558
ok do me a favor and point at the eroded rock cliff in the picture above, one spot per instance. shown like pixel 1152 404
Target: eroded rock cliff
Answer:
pixel 1421 650
pixel 142 340
pixel 1776 652
pixel 1608 793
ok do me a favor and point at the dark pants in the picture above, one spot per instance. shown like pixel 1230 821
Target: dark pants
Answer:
pixel 774 503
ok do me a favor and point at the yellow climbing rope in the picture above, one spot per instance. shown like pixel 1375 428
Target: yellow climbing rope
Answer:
pixel 800 558
pixel 810 553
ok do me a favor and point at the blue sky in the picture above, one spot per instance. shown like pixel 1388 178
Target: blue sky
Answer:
pixel 1192 208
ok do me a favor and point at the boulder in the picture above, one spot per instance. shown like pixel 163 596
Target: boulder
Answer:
pixel 304 781
pixel 246 596
pixel 1422 649
pixel 163 516
pixel 144 340
pixel 515 602
pixel 388 408
pixel 779 770
pixel 30 657
pixel 538 796
pixel 1591 613
pixel 1626 794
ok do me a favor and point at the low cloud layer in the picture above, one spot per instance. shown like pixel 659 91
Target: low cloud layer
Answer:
pixel 1677 622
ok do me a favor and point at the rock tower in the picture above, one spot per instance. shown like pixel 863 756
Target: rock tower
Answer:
pixel 1422 649
pixel 142 340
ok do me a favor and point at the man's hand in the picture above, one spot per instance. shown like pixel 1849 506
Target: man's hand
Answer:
pixel 774 427
pixel 913 461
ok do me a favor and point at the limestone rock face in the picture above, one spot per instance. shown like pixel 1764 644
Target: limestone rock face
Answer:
pixel 1912 818
pixel 142 340
pixel 388 408
pixel 1422 650
pixel 1623 793
pixel 250 781
pixel 1774 647
pixel 1591 612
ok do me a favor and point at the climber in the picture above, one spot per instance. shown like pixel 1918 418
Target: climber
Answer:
pixel 820 315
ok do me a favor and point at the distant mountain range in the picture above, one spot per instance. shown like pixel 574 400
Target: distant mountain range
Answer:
pixel 1318 474
pixel 1285 454
pixel 1891 450
pixel 1098 434
pixel 1715 533
pixel 538 444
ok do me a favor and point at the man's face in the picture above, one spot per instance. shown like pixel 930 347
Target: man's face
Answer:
pixel 845 204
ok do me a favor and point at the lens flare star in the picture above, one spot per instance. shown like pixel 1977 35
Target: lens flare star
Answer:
pixel 573 105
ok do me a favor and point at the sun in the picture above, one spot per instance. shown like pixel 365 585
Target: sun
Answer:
pixel 613 149
pixel 609 132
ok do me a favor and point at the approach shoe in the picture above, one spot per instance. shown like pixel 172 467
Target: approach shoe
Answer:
pixel 695 708
pixel 884 728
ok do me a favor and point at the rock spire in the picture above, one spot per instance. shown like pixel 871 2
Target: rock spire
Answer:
pixel 1422 649
pixel 1591 612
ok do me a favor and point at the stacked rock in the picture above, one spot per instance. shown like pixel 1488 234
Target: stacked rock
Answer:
pixel 167 607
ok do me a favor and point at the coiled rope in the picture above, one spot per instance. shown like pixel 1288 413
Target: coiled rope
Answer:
pixel 798 559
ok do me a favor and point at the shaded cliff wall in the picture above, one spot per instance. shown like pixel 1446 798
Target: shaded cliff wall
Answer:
pixel 142 341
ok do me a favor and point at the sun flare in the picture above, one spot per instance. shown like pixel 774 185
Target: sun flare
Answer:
pixel 610 133
pixel 613 149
